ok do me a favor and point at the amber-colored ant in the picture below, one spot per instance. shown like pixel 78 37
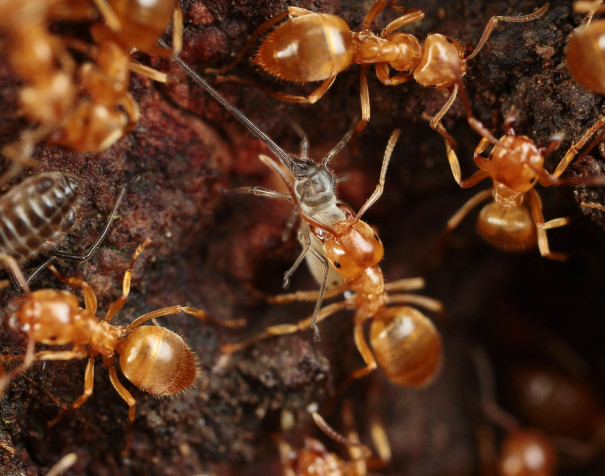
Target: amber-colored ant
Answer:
pixel 312 46
pixel 98 122
pixel 524 451
pixel 585 54
pixel 315 459
pixel 515 165
pixel 153 358
pixel 407 345
pixel 106 111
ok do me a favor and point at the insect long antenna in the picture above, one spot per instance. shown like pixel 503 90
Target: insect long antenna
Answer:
pixel 280 153
pixel 383 172
pixel 338 147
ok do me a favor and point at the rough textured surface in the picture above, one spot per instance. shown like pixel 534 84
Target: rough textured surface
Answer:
pixel 209 248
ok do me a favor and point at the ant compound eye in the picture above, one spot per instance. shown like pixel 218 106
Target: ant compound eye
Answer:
pixel 337 264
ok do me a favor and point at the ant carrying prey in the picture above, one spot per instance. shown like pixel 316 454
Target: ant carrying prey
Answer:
pixel 407 345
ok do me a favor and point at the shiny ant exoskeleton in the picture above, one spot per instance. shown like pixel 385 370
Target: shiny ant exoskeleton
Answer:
pixel 105 110
pixel 110 111
pixel 585 55
pixel 313 46
pixel 406 343
pixel 153 358
pixel 514 220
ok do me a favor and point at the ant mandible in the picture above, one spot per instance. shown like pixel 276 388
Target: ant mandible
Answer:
pixel 153 358
pixel 515 165
pixel 313 46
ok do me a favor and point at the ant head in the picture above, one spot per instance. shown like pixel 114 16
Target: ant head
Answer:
pixel 354 248
pixel 47 313
pixel 313 184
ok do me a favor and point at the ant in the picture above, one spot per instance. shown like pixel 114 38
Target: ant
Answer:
pixel 54 317
pixel 585 54
pixel 53 83
pixel 311 46
pixel 514 221
pixel 315 459
pixel 406 343
pixel 523 451
pixel 98 122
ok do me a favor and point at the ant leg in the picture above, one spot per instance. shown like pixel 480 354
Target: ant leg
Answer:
pixel 259 192
pixel 427 303
pixel 299 259
pixel 452 158
pixel 596 206
pixel 383 173
pixel 411 16
pixel 88 386
pixel 487 392
pixel 373 12
pixel 322 290
pixel 435 122
pixel 574 148
pixel 304 296
pixel 119 303
pixel 364 98
pixel 258 32
pixel 168 311
pixel 15 272
pixel 536 211
pixel 366 355
pixel 127 397
pixel 147 71
pixel 30 357
pixel 407 284
pixel 108 14
pixel 283 329
pixel 90 300
pixel 383 74
pixel 63 464
pixel 493 21
pixel 464 210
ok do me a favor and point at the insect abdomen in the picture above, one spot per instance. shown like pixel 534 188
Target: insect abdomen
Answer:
pixel 36 212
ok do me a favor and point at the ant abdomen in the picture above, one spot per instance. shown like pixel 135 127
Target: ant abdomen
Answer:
pixel 407 346
pixel 35 212
pixel 507 229
pixel 142 22
pixel 526 452
pixel 157 361
pixel 307 48
pixel 585 57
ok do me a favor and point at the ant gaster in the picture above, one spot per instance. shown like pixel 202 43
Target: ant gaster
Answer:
pixel 313 46
pixel 153 358
pixel 585 54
